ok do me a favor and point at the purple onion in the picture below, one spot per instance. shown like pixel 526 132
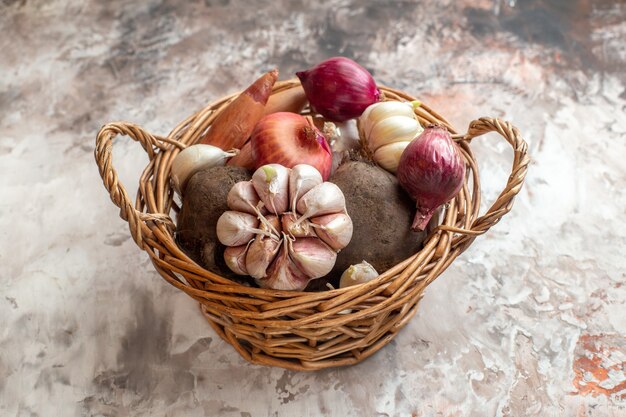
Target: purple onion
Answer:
pixel 339 88
pixel 432 171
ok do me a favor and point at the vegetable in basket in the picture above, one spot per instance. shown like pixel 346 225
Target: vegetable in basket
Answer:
pixel 381 213
pixel 357 274
pixel 290 139
pixel 295 242
pixel 339 88
pixel 432 171
pixel 193 159
pixel 291 100
pixel 386 129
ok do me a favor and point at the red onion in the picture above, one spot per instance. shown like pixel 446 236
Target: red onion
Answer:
pixel 339 88
pixel 289 139
pixel 432 171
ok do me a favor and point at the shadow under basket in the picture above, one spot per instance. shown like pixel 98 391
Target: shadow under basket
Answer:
pixel 302 330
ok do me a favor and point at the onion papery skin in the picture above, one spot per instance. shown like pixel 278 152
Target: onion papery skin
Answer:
pixel 290 139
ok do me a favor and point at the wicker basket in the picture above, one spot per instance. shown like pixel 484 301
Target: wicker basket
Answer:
pixel 302 330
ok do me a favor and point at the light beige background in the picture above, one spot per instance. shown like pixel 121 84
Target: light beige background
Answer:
pixel 528 322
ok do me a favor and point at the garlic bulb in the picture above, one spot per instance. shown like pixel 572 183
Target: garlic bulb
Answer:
pixel 357 274
pixel 193 159
pixel 386 128
pixel 286 249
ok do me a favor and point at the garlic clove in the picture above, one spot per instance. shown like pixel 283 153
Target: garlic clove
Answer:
pixel 302 179
pixel 260 255
pixel 242 197
pixel 271 182
pixel 325 198
pixel 283 274
pixel 357 274
pixel 263 248
pixel 334 229
pixel 235 228
pixel 312 256
pixel 292 228
pixel 193 159
pixel 364 121
pixel 388 156
pixel 235 258
pixel 393 129
pixel 381 111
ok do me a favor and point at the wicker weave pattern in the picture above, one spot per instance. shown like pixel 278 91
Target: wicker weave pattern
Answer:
pixel 298 330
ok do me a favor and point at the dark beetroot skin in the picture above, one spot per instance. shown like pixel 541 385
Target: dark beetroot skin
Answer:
pixel 339 88
pixel 431 171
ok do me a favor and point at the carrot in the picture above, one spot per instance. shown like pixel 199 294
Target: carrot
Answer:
pixel 243 158
pixel 233 126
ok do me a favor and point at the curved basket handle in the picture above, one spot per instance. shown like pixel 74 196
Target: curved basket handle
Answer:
pixel 504 202
pixel 104 141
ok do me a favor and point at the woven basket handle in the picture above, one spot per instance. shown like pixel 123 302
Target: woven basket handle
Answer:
pixel 104 142
pixel 504 202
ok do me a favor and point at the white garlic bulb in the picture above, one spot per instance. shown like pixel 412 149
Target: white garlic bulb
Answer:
pixel 298 241
pixel 386 128
pixel 357 274
pixel 193 159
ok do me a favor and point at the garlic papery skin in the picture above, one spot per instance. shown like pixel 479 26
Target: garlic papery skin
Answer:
pixel 346 136
pixel 334 229
pixel 271 183
pixel 193 159
pixel 235 228
pixel 388 156
pixel 357 274
pixel 385 124
pixel 294 228
pixel 312 256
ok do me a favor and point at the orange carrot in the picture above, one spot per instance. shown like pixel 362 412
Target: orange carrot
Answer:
pixel 243 158
pixel 233 126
